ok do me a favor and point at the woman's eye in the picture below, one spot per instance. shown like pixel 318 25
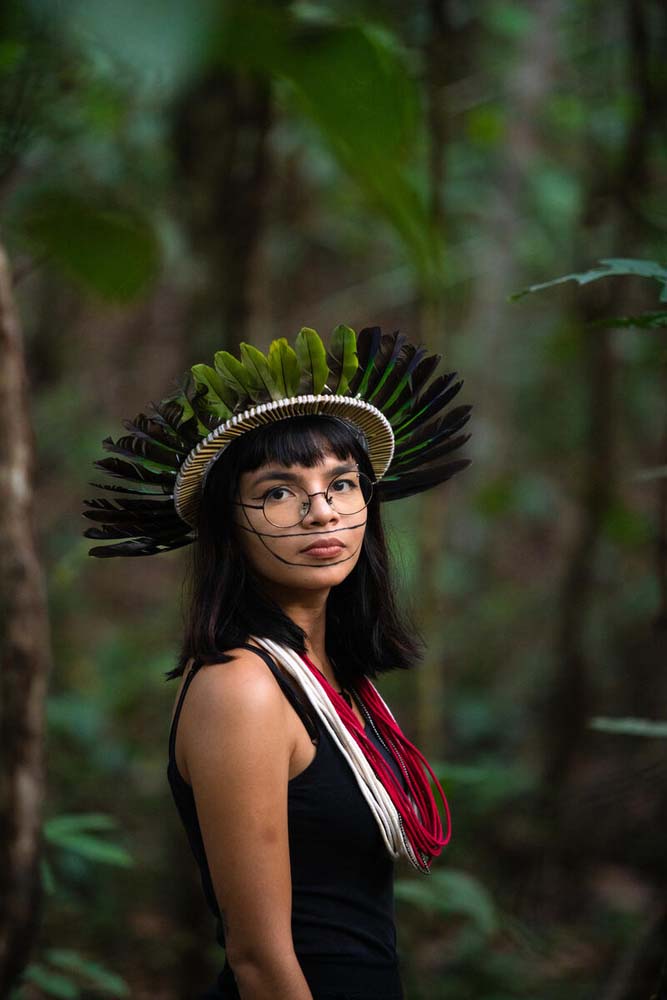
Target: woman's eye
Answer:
pixel 278 493
pixel 344 485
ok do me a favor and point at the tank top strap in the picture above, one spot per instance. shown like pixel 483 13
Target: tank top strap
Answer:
pixel 294 695
pixel 181 699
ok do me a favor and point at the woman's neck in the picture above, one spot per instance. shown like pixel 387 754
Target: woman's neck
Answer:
pixel 308 610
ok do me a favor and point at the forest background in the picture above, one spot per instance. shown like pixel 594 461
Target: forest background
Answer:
pixel 176 178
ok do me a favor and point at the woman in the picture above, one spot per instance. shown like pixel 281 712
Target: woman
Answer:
pixel 296 787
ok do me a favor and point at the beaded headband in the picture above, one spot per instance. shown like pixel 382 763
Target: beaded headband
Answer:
pixel 381 384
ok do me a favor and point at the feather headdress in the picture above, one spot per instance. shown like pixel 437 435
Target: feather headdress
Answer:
pixel 382 384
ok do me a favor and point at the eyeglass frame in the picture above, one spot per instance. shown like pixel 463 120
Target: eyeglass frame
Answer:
pixel 319 493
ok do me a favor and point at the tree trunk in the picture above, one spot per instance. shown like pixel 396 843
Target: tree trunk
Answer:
pixel 26 658
pixel 221 143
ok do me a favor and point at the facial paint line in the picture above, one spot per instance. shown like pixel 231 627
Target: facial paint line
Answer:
pixel 300 534
pixel 303 534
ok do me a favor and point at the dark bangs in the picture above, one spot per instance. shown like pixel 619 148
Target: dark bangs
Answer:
pixel 224 600
pixel 305 440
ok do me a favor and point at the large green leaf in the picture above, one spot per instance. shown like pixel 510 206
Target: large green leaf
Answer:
pixel 649 728
pixel 158 46
pixel 98 850
pixel 103 979
pixel 54 984
pixel 354 83
pixel 353 77
pixel 68 823
pixel 88 846
pixel 643 321
pixel 610 267
pixel 489 783
pixel 110 250
pixel 359 92
pixel 451 892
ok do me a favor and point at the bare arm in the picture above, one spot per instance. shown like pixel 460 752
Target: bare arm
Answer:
pixel 237 752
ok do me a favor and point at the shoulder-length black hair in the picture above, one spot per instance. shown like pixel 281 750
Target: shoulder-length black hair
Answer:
pixel 224 601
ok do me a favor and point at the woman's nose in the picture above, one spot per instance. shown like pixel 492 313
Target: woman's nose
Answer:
pixel 320 510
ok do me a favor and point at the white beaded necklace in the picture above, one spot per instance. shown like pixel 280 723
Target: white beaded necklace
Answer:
pixel 383 809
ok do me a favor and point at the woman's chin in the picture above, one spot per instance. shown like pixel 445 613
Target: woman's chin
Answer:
pixel 318 576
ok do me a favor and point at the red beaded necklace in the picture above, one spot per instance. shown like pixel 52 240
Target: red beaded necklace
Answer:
pixel 420 820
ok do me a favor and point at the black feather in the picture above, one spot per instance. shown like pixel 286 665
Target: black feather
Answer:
pixel 169 416
pixel 432 431
pixel 151 430
pixel 385 358
pixel 144 518
pixel 420 408
pixel 403 406
pixel 390 368
pixel 107 531
pixel 368 344
pixel 135 473
pixel 133 447
pixel 126 489
pixel 198 404
pixel 426 414
pixel 398 382
pixel 424 370
pixel 126 503
pixel 170 412
pixel 139 547
pixel 410 462
pixel 417 482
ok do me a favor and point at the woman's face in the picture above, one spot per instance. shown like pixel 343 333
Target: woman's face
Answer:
pixel 322 548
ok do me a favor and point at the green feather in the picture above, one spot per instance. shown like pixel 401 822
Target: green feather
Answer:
pixel 218 396
pixel 236 376
pixel 256 363
pixel 342 358
pixel 228 395
pixel 284 366
pixel 313 360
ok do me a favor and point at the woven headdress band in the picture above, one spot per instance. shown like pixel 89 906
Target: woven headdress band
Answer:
pixel 383 385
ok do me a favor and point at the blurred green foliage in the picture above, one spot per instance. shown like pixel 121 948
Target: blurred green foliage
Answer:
pixel 72 849
pixel 541 129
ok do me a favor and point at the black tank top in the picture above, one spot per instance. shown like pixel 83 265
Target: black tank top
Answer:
pixel 342 876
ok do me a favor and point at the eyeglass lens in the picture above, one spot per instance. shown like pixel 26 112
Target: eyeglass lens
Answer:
pixel 286 506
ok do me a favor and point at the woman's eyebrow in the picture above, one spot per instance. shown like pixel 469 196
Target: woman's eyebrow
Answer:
pixel 291 477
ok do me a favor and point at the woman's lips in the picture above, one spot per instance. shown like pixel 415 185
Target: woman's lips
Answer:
pixel 324 549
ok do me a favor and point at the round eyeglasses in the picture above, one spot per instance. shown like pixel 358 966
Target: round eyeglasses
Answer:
pixel 286 505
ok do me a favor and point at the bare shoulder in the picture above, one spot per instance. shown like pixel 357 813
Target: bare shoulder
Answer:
pixel 245 679
pixel 230 701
